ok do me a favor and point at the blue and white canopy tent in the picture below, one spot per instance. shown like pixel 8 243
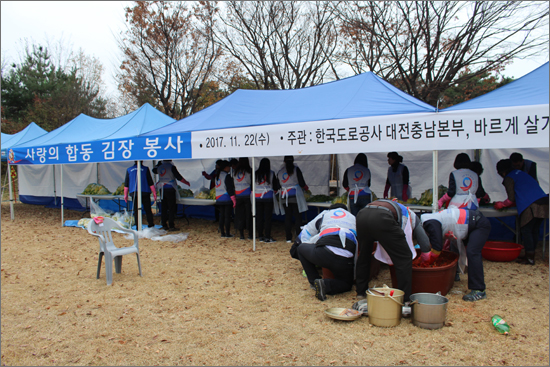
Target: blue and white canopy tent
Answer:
pixel 31 132
pixel 72 143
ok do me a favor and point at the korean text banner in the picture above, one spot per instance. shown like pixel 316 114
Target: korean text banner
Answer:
pixel 173 146
pixel 503 127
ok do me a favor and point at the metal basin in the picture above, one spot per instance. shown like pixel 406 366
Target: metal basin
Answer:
pixel 428 310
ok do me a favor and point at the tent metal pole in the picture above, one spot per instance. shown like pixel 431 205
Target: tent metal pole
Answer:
pixel 253 204
pixel 62 213
pixel 11 192
pixel 434 183
pixel 54 188
pixel 138 179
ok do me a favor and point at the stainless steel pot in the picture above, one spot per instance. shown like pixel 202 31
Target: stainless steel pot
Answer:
pixel 428 310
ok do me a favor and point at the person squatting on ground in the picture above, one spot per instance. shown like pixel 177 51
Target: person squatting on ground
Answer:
pixel 147 186
pixel 266 186
pixel 291 198
pixel 329 241
pixel 470 228
pixel 357 183
pixel 168 174
pixel 394 226
pixel 243 209
pixel 398 178
pixel 464 185
pixel 532 204
pixel 225 198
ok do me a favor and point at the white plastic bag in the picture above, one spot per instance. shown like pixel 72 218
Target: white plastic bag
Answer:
pixel 97 211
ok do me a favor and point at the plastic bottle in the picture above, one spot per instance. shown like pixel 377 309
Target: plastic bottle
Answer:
pixel 500 324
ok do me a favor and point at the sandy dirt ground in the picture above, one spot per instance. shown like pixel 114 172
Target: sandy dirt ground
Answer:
pixel 214 301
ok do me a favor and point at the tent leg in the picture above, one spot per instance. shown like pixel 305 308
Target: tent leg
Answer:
pixel 253 204
pixel 62 213
pixel 12 216
pixel 434 183
pixel 138 179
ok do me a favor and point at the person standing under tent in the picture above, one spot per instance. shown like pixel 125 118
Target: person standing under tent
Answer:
pixel 470 226
pixel 225 198
pixel 212 178
pixel 357 183
pixel 147 186
pixel 266 186
pixel 329 241
pixel 532 204
pixel 291 198
pixel 398 178
pixel 243 210
pixel 394 226
pixel 168 174
pixel 524 165
pixel 477 167
pixel 464 185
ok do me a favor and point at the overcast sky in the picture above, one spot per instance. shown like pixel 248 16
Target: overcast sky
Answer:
pixel 93 26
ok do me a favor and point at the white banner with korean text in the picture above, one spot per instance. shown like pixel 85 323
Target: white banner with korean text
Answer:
pixel 490 128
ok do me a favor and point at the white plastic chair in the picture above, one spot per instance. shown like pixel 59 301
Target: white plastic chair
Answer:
pixel 108 249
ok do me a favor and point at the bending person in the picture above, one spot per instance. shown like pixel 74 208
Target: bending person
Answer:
pixel 393 225
pixel 469 227
pixel 532 204
pixel 329 241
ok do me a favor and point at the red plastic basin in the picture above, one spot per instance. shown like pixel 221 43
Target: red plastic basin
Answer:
pixel 501 251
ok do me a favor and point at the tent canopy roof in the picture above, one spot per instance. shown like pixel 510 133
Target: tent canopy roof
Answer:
pixel 84 128
pixel 530 89
pixel 32 131
pixel 358 96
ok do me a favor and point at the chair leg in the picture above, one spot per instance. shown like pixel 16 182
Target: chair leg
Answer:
pixel 118 264
pixel 139 264
pixel 109 268
pixel 99 264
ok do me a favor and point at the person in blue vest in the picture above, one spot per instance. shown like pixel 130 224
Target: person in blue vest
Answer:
pixel 168 174
pixel 225 197
pixel 329 241
pixel 147 186
pixel 464 185
pixel 470 229
pixel 266 186
pixel 524 165
pixel 357 183
pixel 395 227
pixel 398 178
pixel 291 196
pixel 532 204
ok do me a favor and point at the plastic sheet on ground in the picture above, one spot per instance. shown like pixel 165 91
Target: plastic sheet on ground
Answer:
pixel 158 234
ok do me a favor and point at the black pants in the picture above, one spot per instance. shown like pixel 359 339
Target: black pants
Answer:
pixel 380 225
pixel 225 218
pixel 264 213
pixel 146 206
pixel 169 207
pixel 479 228
pixel 292 210
pixel 530 234
pixel 312 255
pixel 243 215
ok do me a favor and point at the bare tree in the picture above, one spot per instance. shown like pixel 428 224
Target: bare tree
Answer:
pixel 168 54
pixel 280 45
pixel 426 47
